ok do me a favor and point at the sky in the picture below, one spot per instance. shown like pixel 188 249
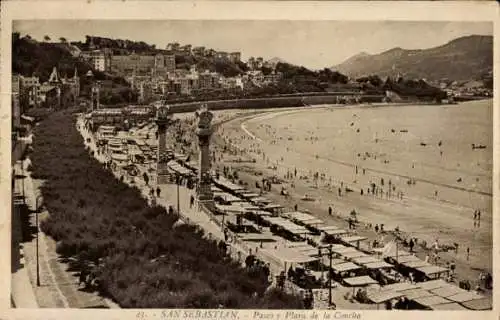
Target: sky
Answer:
pixel 314 44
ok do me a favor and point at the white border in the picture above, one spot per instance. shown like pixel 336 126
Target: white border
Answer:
pixel 218 10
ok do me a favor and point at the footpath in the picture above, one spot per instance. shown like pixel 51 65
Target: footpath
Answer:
pixel 59 286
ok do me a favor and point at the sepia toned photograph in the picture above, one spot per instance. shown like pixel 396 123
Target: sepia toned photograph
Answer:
pixel 252 164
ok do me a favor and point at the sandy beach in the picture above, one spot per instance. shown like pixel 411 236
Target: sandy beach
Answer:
pixel 428 145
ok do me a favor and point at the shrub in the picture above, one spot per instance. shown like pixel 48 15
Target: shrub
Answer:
pixel 146 262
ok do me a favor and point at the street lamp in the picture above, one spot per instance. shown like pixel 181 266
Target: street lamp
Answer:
pixel 178 179
pixel 37 208
pixel 330 256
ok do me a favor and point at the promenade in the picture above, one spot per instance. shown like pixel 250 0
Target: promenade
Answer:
pixel 59 286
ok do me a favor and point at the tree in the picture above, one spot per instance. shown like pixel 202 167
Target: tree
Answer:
pixel 46 38
pixel 62 39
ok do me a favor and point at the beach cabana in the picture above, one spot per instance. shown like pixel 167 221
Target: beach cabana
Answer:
pixel 433 284
pixel 353 254
pixel 361 281
pixel 447 291
pixel 335 232
pixel 430 301
pixel 313 222
pixel 379 297
pixel 401 286
pixel 416 293
pixel 327 228
pixel 260 201
pixel 365 259
pixel 377 265
pixel 345 270
pixel 299 216
pixel 415 264
pixel 478 304
pixel 353 239
pixel 465 296
pixel 453 306
pixel 273 208
pixel 432 272
pixel 256 237
pixel 227 185
pixel 286 256
pixel 340 249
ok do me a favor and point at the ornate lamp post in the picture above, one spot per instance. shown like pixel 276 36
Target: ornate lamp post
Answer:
pixel 37 209
pixel 204 132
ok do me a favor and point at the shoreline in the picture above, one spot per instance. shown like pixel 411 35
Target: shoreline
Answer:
pixel 250 172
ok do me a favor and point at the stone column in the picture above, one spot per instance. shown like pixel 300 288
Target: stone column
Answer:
pixel 162 121
pixel 204 132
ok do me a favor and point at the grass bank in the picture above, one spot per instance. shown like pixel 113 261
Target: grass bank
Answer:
pixel 143 259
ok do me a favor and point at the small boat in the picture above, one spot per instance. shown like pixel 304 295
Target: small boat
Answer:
pixel 423 144
pixel 478 146
pixel 403 130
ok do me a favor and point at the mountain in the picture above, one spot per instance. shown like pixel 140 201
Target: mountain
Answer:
pixel 464 58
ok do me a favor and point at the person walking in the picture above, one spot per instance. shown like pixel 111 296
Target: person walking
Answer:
pixel 412 244
pixel 191 201
pixel 158 191
pixel 330 211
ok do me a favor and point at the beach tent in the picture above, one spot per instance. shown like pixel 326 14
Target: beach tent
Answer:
pixel 256 237
pixel 361 281
pixel 335 232
pixel 465 296
pixel 365 259
pixel 285 256
pixel 353 254
pixel 447 291
pixel 228 185
pixel 379 297
pixel 416 293
pixel 345 267
pixel 377 265
pixel 327 228
pixel 260 200
pixel 415 264
pixel 453 306
pixel 230 209
pixel 227 197
pixel 340 249
pixel 299 216
pixel 432 271
pixel 433 284
pixel 401 286
pixel 431 301
pixel 353 239
pixel 478 304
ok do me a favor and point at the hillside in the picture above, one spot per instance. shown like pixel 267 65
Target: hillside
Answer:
pixel 464 58
pixel 32 58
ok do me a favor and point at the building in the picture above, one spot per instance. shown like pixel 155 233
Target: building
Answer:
pixel 235 57
pixel 16 105
pixel 73 85
pixel 208 80
pixel 29 92
pixel 186 49
pixel 99 59
pixel 231 83
pixel 199 51
pixel 221 55
pixel 163 65
pixel 157 65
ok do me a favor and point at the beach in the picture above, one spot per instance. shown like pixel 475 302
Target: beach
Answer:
pixel 433 180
